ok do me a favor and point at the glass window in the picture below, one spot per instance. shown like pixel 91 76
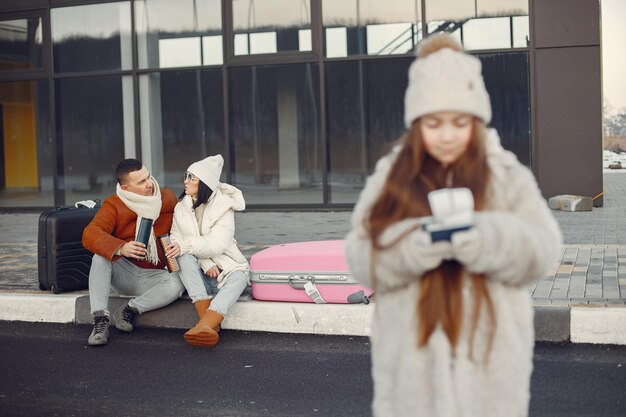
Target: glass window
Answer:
pixel 91 38
pixel 507 81
pixel 369 27
pixel 26 177
pixel 95 131
pixel 178 34
pixel 521 38
pixel 182 121
pixel 481 24
pixel 20 44
pixel 259 29
pixel 274 129
pixel 365 107
pixel 478 33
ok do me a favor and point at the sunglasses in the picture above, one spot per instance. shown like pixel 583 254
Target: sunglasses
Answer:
pixel 188 176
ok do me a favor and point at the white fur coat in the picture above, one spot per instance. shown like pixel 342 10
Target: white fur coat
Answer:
pixel 520 242
pixel 216 245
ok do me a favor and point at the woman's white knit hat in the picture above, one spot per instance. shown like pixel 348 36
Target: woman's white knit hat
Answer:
pixel 445 78
pixel 208 170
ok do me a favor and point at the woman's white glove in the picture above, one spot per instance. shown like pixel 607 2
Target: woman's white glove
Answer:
pixel 467 247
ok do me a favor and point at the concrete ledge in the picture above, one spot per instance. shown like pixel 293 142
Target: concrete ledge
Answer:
pixel 599 325
pixel 329 319
pixel 262 316
pixel 554 323
pixel 38 307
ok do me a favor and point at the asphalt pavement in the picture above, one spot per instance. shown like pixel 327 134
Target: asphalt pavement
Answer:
pixel 47 369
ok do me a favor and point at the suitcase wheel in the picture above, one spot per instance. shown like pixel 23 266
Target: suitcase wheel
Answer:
pixel 358 298
pixel 55 289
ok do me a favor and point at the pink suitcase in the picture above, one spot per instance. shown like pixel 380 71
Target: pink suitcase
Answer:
pixel 305 272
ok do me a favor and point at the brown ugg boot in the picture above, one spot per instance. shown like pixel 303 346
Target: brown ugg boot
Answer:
pixel 201 307
pixel 205 333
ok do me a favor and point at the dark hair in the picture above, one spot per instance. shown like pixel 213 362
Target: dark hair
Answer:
pixel 204 192
pixel 126 167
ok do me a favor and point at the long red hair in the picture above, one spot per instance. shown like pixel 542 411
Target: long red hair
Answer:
pixel 414 174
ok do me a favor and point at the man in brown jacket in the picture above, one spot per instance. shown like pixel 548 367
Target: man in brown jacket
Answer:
pixel 120 261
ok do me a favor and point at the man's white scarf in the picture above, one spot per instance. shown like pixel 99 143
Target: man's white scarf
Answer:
pixel 144 206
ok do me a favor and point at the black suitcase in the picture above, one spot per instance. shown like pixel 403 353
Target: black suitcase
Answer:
pixel 63 261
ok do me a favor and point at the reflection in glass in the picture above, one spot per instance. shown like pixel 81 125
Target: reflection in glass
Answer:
pixel 365 105
pixel 95 131
pixel 90 38
pixel 182 121
pixel 478 33
pixel 179 52
pixel 507 81
pixel 26 177
pixel 521 38
pixel 178 34
pixel 481 24
pixel 20 44
pixel 260 30
pixel 274 125
pixel 357 27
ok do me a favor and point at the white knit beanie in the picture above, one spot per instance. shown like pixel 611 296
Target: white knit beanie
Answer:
pixel 445 78
pixel 208 170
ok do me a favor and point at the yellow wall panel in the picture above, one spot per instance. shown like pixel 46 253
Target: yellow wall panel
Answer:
pixel 20 146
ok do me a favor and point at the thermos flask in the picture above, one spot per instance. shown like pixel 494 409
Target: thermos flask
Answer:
pixel 172 263
pixel 145 227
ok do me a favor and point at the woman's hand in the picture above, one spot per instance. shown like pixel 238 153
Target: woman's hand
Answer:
pixel 213 272
pixel 173 250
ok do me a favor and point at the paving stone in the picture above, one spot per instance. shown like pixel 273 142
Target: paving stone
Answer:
pixel 595 300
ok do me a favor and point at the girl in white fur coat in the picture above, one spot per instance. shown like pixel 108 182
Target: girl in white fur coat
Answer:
pixel 212 268
pixel 452 333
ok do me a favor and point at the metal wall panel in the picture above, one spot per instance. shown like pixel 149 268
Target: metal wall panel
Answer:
pixel 569 121
pixel 566 84
pixel 19 5
pixel 561 23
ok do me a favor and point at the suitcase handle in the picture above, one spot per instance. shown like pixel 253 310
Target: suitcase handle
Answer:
pixel 308 286
pixel 303 279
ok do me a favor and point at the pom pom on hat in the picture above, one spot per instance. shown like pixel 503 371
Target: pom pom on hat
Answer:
pixel 437 42
pixel 208 170
pixel 445 78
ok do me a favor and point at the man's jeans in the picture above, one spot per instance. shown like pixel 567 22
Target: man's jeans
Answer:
pixel 200 286
pixel 154 288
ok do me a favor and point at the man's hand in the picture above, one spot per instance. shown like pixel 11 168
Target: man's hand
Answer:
pixel 173 250
pixel 213 272
pixel 133 250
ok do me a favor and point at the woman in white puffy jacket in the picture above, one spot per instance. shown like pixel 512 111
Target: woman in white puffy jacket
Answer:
pixel 452 333
pixel 212 268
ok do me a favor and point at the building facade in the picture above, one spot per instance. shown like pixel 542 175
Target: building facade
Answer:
pixel 301 97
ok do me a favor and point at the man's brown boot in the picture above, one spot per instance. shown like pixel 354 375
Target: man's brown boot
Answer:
pixel 205 333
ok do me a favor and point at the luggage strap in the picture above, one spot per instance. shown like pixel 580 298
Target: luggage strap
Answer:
pixel 311 290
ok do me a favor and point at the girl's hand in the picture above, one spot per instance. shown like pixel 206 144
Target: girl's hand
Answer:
pixel 173 250
pixel 213 272
pixel 467 247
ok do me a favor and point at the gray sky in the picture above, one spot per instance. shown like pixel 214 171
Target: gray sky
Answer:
pixel 614 53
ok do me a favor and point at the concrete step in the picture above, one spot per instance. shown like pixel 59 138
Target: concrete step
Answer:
pixel 555 323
